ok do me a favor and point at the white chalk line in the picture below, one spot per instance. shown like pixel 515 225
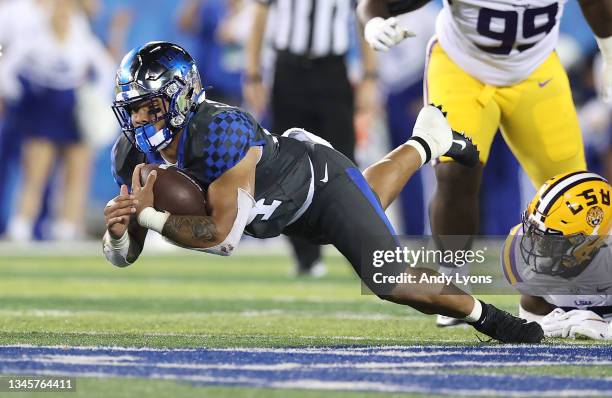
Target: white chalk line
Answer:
pixel 204 314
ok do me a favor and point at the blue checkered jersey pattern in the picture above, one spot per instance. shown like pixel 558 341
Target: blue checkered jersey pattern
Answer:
pixel 230 135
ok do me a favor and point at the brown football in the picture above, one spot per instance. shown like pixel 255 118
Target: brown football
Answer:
pixel 175 191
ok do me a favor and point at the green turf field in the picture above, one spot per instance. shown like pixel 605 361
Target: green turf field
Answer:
pixel 191 301
pixel 207 301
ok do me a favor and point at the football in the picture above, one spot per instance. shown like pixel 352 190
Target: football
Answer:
pixel 175 191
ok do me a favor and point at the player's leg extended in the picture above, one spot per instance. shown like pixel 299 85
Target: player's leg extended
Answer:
pixel 540 124
pixel 346 213
pixel 351 218
pixel 431 138
pixel 388 176
pixel 470 107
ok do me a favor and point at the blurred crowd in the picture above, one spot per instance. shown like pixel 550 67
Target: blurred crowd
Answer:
pixel 56 86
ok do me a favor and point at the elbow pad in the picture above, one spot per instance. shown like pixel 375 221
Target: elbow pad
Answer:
pixel 226 248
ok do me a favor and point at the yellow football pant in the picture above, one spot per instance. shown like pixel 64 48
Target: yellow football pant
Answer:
pixel 537 117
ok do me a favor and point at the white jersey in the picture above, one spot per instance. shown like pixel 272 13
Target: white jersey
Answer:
pixel 60 65
pixel 499 42
pixel 591 288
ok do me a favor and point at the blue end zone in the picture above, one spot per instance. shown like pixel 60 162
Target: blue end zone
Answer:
pixel 446 370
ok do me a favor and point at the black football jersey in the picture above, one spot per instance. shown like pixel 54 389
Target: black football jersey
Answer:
pixel 217 137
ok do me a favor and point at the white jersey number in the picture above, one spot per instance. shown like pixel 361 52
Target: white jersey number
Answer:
pixel 263 209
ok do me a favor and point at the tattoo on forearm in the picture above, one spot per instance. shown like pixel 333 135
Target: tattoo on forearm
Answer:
pixel 184 229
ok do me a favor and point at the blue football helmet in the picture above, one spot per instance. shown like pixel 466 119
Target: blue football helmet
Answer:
pixel 163 76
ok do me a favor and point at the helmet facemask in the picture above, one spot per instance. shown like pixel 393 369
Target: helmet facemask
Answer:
pixel 171 104
pixel 550 252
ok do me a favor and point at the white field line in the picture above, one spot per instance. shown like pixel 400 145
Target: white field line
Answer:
pixel 204 314
pixel 203 335
pixel 363 350
pixel 93 248
pixel 235 297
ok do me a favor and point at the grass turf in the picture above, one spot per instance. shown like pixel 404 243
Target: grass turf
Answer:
pixel 207 301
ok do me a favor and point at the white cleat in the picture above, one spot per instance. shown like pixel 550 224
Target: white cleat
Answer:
pixel 318 270
pixel 446 321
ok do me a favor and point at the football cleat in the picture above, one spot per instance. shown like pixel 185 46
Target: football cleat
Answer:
pixel 507 328
pixel 443 321
pixel 433 137
pixel 463 150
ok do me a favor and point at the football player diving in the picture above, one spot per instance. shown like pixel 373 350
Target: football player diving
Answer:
pixel 264 184
pixel 560 260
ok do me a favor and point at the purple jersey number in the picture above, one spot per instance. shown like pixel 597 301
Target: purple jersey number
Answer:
pixel 535 21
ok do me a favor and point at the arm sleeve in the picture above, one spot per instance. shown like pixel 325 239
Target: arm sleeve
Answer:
pixel 230 135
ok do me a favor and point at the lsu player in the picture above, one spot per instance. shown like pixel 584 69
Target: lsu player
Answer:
pixel 264 184
pixel 492 65
pixel 560 258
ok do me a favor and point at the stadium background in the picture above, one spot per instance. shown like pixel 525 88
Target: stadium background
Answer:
pixel 199 325
pixel 220 68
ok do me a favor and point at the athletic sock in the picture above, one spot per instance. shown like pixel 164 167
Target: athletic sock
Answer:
pixel 422 147
pixel 478 312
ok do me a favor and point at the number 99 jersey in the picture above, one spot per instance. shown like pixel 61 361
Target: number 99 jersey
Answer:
pixel 500 42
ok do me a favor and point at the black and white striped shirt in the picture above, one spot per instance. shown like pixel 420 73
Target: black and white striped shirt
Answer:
pixel 313 28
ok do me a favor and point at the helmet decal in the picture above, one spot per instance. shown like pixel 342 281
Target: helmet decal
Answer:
pixel 595 216
pixel 562 185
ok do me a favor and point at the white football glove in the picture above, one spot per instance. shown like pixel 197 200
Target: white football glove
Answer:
pixel 382 34
pixel 574 324
pixel 432 136
pixel 605 46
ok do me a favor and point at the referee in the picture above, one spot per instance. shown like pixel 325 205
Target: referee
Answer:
pixel 311 88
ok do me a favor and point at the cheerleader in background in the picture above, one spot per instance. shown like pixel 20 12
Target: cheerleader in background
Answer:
pixel 41 77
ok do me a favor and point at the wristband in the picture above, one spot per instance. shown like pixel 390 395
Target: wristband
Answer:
pixel 153 219
pixel 122 243
pixel 116 250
